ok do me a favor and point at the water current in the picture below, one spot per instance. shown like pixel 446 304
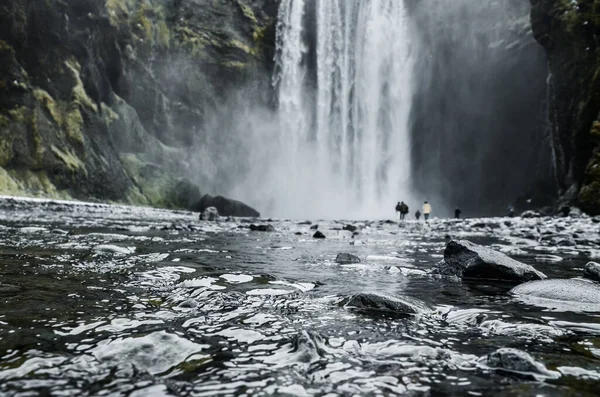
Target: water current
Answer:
pixel 111 300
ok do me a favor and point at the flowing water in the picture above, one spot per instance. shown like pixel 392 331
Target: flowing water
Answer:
pixel 344 84
pixel 112 300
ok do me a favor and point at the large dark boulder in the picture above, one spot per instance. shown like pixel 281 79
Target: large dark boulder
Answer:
pixel 378 303
pixel 225 206
pixel 592 271
pixel 569 290
pixel 470 261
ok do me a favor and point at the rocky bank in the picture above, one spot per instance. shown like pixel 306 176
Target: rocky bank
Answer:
pixel 100 99
pixel 569 31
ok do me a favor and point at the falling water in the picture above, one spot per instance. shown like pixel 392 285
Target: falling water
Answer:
pixel 344 139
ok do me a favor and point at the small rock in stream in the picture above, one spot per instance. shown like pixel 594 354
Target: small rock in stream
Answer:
pixel 262 228
pixel 318 235
pixel 210 214
pixel 345 259
pixel 371 302
pixel 518 362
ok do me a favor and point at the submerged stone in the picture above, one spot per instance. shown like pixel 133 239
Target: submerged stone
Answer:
pixel 345 258
pixel 592 271
pixel 372 302
pixel 470 261
pixel 517 361
pixel 568 290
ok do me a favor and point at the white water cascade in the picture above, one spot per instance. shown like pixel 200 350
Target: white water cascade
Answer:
pixel 344 101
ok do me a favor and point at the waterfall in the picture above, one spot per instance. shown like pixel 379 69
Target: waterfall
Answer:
pixel 343 77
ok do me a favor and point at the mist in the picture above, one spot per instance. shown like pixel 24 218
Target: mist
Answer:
pixel 376 101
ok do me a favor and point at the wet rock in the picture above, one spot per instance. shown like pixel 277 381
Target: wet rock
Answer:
pixel 530 214
pixel 371 302
pixel 59 231
pixel 470 261
pixel 569 290
pixel 209 214
pixel 592 271
pixel 305 223
pixel 262 228
pixel 517 361
pixel 225 207
pixel 345 258
pixel 350 228
pixel 318 235
pixel 314 227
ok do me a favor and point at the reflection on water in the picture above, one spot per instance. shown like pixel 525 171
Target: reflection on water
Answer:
pixel 101 300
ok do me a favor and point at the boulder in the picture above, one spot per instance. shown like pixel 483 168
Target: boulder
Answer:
pixel 470 261
pixel 225 206
pixel 371 302
pixel 517 361
pixel 209 214
pixel 314 227
pixel 318 235
pixel 262 228
pixel 345 259
pixel 567 290
pixel 592 271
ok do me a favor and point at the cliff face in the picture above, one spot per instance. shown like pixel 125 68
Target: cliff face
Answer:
pixel 570 33
pixel 102 99
pixel 478 115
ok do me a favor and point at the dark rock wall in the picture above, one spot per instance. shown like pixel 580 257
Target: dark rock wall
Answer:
pixel 479 115
pixel 569 31
pixel 102 99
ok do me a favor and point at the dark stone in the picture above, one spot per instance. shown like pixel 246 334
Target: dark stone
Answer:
pixel 592 271
pixel 350 228
pixel 225 206
pixel 209 214
pixel 517 361
pixel 314 227
pixel 262 228
pixel 305 223
pixel 530 214
pixel 470 261
pixel 371 302
pixel 567 290
pixel 318 235
pixel 345 258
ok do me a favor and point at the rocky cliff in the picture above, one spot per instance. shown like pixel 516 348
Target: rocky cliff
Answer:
pixel 570 33
pixel 103 99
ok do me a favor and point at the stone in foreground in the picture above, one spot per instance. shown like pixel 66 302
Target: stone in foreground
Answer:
pixel 371 302
pixel 470 261
pixel 345 259
pixel 592 271
pixel 519 362
pixel 569 290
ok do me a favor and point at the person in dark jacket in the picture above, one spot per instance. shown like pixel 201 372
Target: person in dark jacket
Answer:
pixel 418 214
pixel 403 210
pixel 398 210
pixel 457 213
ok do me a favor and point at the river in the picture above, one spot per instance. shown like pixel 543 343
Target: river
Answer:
pixel 110 300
